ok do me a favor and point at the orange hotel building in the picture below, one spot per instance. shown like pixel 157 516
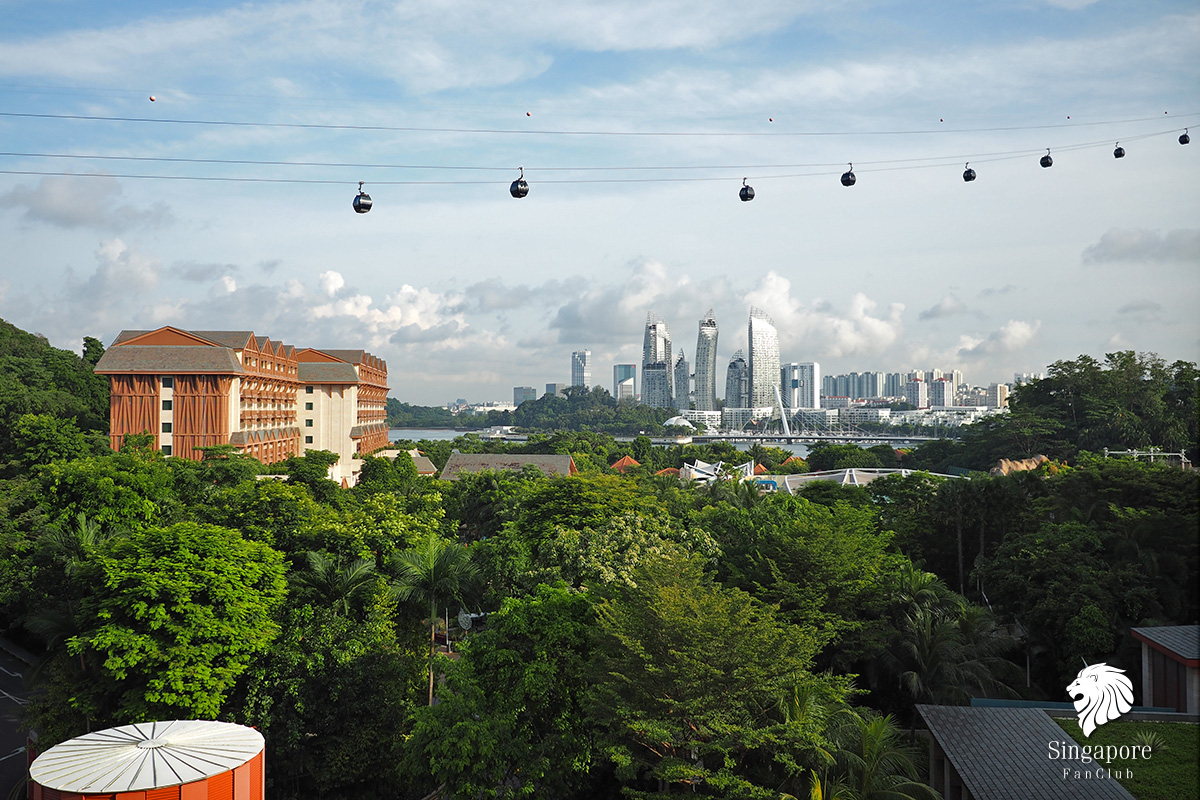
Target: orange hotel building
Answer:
pixel 268 399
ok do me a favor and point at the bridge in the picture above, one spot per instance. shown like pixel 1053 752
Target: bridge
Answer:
pixel 813 437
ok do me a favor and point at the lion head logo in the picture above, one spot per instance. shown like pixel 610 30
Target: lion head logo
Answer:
pixel 1101 694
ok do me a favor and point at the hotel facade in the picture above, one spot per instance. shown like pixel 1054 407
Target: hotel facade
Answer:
pixel 270 400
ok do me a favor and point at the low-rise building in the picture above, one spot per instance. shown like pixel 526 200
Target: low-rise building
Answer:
pixel 196 389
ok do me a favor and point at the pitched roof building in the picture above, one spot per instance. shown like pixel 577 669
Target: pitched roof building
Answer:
pixel 193 389
pixel 468 463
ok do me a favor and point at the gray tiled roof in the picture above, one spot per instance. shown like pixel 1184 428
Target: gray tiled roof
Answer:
pixel 351 356
pixel 326 372
pixel 235 339
pixel 1004 753
pixel 424 465
pixel 1183 640
pixel 461 463
pixel 170 360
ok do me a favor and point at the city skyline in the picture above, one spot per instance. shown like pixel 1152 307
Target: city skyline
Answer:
pixel 225 203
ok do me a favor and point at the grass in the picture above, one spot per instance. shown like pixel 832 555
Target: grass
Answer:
pixel 1169 774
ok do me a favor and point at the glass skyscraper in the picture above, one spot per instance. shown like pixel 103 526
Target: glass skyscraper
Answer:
pixel 624 381
pixel 683 383
pixel 737 382
pixel 706 364
pixel 764 359
pixel 656 349
pixel 581 368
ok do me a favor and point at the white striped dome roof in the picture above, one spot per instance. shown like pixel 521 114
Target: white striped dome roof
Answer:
pixel 148 755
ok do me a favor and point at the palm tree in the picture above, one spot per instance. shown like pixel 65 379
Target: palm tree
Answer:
pixel 434 569
pixel 336 585
pixel 873 763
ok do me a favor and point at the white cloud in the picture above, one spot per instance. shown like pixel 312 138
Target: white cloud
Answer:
pixel 821 328
pixel 1011 337
pixel 82 202
pixel 1140 244
pixel 948 306
pixel 331 282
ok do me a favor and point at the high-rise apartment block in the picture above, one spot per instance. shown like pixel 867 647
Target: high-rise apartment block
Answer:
pixel 706 363
pixel 523 393
pixel 916 393
pixel 997 395
pixel 800 384
pixel 737 382
pixel 625 381
pixel 556 389
pixel 763 359
pixel 656 385
pixel 195 389
pixel 683 383
pixel 942 392
pixel 581 368
pixel 656 349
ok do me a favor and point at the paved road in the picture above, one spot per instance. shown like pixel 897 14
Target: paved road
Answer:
pixel 12 734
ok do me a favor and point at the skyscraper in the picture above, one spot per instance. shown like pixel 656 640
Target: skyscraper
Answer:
pixel 737 382
pixel 581 368
pixel 656 349
pixel 764 359
pixel 656 384
pixel 624 381
pixel 800 385
pixel 706 364
pixel 683 383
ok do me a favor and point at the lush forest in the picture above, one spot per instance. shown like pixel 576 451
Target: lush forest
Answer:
pixel 578 410
pixel 621 635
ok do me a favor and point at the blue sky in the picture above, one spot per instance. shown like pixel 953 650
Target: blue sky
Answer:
pixel 468 292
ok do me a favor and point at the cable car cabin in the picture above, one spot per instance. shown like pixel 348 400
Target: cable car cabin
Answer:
pixel 362 203
pixel 848 178
pixel 747 192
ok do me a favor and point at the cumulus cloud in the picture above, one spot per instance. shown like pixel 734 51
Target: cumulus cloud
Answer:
pixel 1014 335
pixel 331 282
pixel 1140 244
pixel 821 327
pixel 948 306
pixel 78 202
pixel 202 273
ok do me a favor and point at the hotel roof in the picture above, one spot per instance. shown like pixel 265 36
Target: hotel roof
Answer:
pixel 1182 640
pixel 169 359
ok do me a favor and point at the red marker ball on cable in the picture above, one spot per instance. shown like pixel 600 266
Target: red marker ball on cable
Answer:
pixel 152 98
pixel 528 114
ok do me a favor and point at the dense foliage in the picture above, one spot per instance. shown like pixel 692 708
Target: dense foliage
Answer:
pixel 620 635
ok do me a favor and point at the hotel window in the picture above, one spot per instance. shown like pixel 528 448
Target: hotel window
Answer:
pixel 308 440
pixel 166 405
pixel 168 382
pixel 308 407
pixel 166 427
pixel 308 423
pixel 166 449
pixel 308 390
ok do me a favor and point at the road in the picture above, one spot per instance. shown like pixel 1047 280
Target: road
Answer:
pixel 12 734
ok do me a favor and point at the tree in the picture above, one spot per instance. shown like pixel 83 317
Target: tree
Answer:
pixel 335 585
pixel 686 676
pixel 435 569
pixel 330 696
pixel 512 720
pixel 176 616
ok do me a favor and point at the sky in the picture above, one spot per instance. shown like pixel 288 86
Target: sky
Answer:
pixel 635 124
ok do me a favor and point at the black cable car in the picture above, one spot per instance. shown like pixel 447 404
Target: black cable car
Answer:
pixel 362 203
pixel 848 178
pixel 747 192
pixel 519 187
pixel 1047 161
pixel 968 173
pixel 1119 152
pixel 1183 137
